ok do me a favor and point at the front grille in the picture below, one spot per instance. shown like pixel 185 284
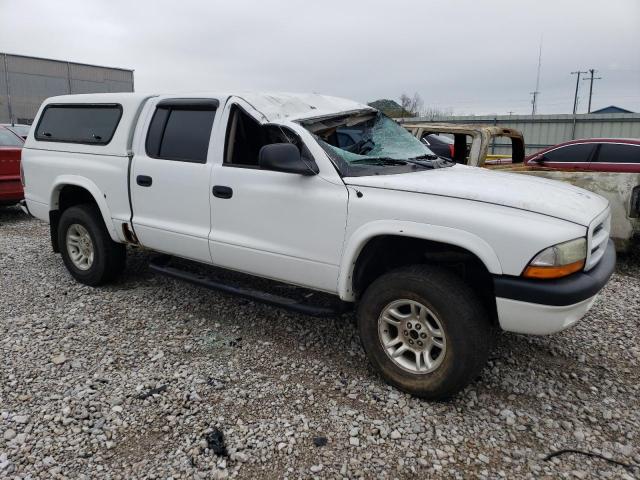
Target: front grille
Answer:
pixel 597 239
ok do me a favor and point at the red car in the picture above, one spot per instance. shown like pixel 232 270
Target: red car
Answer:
pixel 10 152
pixel 593 154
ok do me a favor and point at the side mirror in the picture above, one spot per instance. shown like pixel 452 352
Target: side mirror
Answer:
pixel 285 157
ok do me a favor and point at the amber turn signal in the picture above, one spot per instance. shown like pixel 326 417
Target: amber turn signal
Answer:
pixel 547 272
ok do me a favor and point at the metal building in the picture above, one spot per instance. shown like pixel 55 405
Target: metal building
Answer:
pixel 542 131
pixel 26 81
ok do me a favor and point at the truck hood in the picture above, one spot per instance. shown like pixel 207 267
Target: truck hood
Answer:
pixel 534 194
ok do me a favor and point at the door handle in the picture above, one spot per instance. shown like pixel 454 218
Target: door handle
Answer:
pixel 221 191
pixel 144 180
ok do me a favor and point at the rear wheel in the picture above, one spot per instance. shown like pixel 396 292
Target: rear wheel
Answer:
pixel 424 330
pixel 87 250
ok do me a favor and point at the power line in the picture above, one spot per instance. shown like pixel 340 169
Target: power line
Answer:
pixel 575 97
pixel 591 79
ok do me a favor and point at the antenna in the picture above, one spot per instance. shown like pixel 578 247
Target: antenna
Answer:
pixel 536 92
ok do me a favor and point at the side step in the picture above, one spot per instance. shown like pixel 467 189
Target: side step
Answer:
pixel 162 266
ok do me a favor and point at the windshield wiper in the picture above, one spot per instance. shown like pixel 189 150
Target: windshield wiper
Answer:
pixel 433 157
pixel 379 161
pixel 390 161
pixel 426 156
pixel 422 164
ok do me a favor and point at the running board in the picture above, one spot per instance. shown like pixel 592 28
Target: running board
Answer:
pixel 161 266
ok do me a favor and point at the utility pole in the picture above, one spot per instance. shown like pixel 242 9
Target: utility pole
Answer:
pixel 591 79
pixel 575 98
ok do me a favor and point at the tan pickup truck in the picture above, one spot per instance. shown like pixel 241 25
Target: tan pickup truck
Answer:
pixel 471 143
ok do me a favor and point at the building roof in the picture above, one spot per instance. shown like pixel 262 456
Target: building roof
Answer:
pixel 611 109
pixel 66 61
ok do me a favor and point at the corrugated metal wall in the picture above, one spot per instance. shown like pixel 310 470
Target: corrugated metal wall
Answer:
pixel 541 131
pixel 26 81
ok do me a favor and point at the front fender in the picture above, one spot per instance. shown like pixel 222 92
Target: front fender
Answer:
pixel 63 180
pixel 460 238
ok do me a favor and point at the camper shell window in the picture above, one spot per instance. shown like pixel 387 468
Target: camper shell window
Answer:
pixel 92 124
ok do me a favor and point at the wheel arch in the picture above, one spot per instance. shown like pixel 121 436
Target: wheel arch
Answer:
pixel 459 239
pixel 70 190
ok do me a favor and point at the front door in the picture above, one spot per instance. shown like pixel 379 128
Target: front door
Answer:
pixel 170 178
pixel 283 226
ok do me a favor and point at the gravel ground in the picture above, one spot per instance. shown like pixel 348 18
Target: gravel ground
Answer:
pixel 137 380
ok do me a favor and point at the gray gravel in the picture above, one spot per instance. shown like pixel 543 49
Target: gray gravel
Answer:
pixel 135 379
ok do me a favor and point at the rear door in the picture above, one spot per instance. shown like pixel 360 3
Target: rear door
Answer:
pixel 170 177
pixel 617 157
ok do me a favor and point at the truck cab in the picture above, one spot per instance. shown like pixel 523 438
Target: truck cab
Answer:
pixel 472 143
pixel 433 255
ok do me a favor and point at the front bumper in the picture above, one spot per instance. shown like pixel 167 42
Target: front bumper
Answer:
pixel 542 307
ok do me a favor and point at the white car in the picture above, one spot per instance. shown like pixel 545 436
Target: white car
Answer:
pixel 435 255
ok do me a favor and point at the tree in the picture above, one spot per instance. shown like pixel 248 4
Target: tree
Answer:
pixel 390 108
pixel 412 105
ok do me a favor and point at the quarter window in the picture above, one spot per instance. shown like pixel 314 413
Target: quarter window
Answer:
pixel 619 153
pixel 74 123
pixel 578 153
pixel 181 130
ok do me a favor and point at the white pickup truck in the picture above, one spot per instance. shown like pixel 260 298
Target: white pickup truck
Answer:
pixel 434 254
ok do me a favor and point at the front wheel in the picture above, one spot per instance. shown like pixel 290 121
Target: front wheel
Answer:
pixel 87 250
pixel 424 330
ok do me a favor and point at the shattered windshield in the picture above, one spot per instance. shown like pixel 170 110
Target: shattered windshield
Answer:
pixel 370 139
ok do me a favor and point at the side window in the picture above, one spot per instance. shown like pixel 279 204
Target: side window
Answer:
pixel 77 123
pixel 618 153
pixel 8 139
pixel 245 138
pixel 180 130
pixel 577 153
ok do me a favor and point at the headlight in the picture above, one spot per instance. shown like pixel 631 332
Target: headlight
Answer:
pixel 558 261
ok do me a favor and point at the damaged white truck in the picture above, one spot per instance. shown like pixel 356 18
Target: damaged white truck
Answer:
pixel 434 255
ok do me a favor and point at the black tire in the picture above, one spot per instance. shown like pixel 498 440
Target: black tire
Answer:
pixel 462 316
pixel 109 257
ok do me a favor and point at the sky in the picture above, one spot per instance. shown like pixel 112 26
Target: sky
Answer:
pixel 466 56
